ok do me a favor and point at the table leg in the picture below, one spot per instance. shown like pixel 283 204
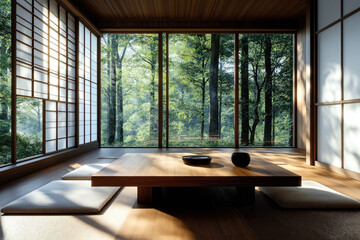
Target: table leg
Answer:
pixel 144 195
pixel 247 195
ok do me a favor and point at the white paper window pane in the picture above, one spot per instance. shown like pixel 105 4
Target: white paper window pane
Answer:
pixel 352 137
pixel 40 89
pixel 61 144
pixel 71 131
pixel 23 38
pixel 20 11
pixel 328 11
pixel 62 107
pixel 61 132
pixel 61 116
pixel 87 38
pixel 71 116
pixel 50 106
pixel 329 133
pixel 53 93
pixel 50 116
pixel 50 146
pixel 41 59
pixel 41 47
pixel 23 71
pixel 71 142
pixel 81 140
pixel 329 69
pixel 54 79
pixel 93 137
pixel 81 33
pixel 350 5
pixel 26 4
pixel 87 138
pixel 50 133
pixel 25 30
pixel 40 76
pixel 23 52
pixel 24 84
pixel 71 107
pixel 351 50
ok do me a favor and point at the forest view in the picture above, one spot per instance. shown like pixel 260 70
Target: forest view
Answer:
pixel 201 90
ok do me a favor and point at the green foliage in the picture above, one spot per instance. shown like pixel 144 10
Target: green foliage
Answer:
pixel 5 80
pixel 189 60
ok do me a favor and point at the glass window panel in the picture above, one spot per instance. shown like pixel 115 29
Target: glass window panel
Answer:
pixel 329 69
pixel 51 146
pixel 350 5
pixel 328 11
pixel 351 56
pixel 29 127
pixel 329 134
pixel 352 137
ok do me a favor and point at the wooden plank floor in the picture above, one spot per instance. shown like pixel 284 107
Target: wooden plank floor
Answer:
pixel 206 213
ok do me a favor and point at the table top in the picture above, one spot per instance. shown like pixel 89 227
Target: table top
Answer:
pixel 168 170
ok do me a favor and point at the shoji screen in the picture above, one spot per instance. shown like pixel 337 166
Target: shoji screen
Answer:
pixel 45 67
pixel 87 85
pixel 338 79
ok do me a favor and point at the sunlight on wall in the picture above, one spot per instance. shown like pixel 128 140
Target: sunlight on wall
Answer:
pixel 329 134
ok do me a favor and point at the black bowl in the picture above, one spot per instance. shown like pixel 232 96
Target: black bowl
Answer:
pixel 240 159
pixel 196 160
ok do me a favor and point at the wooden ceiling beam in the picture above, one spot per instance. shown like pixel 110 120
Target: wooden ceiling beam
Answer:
pixel 113 26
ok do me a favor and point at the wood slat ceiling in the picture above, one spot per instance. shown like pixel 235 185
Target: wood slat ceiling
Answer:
pixel 134 13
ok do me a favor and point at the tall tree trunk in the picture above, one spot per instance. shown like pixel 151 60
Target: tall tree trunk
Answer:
pixel 153 61
pixel 203 89
pixel 119 92
pixel 256 109
pixel 112 92
pixel 244 62
pixel 268 93
pixel 213 87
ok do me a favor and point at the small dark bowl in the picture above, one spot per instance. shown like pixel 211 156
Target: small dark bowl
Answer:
pixel 240 159
pixel 196 160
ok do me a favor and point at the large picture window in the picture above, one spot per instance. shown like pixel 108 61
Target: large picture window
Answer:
pixel 200 105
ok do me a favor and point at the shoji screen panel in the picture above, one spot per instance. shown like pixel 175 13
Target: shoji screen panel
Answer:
pixel 45 66
pixel 338 83
pixel 87 85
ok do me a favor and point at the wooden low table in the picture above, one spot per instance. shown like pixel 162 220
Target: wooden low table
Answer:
pixel 149 170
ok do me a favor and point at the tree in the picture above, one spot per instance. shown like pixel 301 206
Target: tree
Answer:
pixel 112 89
pixel 120 54
pixel 244 63
pixel 213 86
pixel 268 93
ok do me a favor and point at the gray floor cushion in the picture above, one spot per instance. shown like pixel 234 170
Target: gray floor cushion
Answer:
pixel 61 197
pixel 84 172
pixel 310 195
